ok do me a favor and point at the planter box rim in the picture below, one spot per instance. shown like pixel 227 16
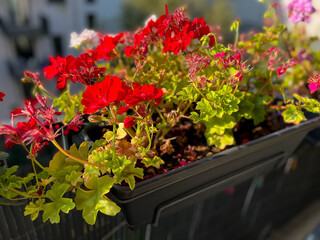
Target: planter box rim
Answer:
pixel 303 126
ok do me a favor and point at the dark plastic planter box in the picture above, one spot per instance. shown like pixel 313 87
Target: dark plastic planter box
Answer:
pixel 176 189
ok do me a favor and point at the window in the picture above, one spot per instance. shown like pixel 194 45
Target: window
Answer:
pixel 19 11
pixel 91 21
pixel 57 45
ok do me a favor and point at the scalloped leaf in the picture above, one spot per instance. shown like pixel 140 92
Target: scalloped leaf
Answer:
pixel 293 115
pixel 52 209
pixel 155 162
pixel 220 141
pixel 33 208
pixel 93 200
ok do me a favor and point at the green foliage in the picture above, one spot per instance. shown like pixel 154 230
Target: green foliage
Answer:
pixel 52 209
pixel 125 170
pixel 93 200
pixel 311 105
pixel 70 104
pixel 293 115
pixel 155 162
pixel 33 208
pixel 215 112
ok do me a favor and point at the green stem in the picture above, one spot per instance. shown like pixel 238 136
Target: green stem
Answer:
pixel 71 156
pixel 237 36
pixel 20 193
pixel 130 132
pixel 194 84
pixel 114 143
pixel 160 114
pixel 35 172
pixel 148 135
pixel 49 94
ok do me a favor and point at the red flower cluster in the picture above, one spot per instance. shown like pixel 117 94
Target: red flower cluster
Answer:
pixel 1 96
pixel 175 31
pixel 36 130
pixel 107 46
pixel 137 96
pixel 140 94
pixel 101 94
pixel 232 60
pixel 195 62
pixel 290 63
pixel 275 59
pixel 81 69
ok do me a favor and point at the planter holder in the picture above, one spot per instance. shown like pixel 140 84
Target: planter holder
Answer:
pixel 180 187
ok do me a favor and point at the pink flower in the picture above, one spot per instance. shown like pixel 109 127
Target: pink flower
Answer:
pixel 300 10
pixel 290 63
pixel 195 62
pixel 314 83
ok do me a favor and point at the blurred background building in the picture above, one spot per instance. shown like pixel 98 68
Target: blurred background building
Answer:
pixel 33 30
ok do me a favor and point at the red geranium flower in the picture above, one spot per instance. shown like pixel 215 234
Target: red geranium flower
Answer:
pixel 143 93
pixel 107 45
pixel 61 67
pixel 1 96
pixel 85 69
pixel 129 122
pixel 101 94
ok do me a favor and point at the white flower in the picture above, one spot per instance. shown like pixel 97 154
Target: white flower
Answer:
pixel 152 17
pixel 86 37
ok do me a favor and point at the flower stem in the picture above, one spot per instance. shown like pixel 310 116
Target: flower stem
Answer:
pixel 114 143
pixel 20 193
pixel 71 156
pixel 35 172
pixel 148 135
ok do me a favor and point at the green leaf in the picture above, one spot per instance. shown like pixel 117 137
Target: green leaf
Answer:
pixel 93 200
pixel 220 141
pixel 61 168
pixel 33 208
pixel 310 105
pixel 195 117
pixel 97 144
pixel 28 178
pixel 127 174
pixel 70 104
pixel 293 115
pixel 219 125
pixel 8 181
pixel 52 209
pixel 155 162
pixel 121 133
pixel 74 177
pixel 108 136
pixel 82 153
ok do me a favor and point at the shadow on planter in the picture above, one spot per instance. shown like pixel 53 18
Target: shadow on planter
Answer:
pixel 177 188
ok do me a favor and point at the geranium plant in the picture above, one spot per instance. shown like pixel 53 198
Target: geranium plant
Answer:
pixel 164 96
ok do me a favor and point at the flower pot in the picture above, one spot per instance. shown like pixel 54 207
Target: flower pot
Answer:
pixel 173 190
